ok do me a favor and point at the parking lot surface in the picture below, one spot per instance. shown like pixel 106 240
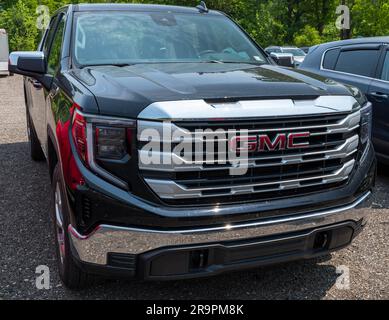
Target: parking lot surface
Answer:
pixel 26 241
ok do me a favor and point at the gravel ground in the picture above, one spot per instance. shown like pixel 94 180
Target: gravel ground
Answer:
pixel 26 241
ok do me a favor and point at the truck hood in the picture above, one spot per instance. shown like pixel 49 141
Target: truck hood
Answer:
pixel 126 91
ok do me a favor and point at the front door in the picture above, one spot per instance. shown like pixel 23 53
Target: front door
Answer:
pixel 38 93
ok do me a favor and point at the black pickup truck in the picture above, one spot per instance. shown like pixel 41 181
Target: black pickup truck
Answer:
pixel 177 148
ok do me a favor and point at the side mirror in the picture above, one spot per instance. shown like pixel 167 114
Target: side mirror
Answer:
pixel 27 63
pixel 283 59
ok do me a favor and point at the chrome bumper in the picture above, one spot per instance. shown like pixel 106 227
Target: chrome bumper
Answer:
pixel 93 248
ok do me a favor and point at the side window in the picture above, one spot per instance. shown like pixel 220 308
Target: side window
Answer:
pixel 49 35
pixel 55 51
pixel 385 68
pixel 330 58
pixel 359 62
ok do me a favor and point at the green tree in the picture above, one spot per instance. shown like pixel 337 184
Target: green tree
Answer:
pixel 308 36
pixel 263 25
pixel 278 22
pixel 370 18
pixel 20 23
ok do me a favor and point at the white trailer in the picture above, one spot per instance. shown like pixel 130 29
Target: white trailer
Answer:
pixel 4 53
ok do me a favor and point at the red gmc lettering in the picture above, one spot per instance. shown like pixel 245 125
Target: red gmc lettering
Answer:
pixel 278 143
pixel 292 136
pixel 246 144
pixel 282 141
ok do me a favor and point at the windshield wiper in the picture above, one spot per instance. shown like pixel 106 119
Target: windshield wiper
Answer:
pixel 236 62
pixel 212 61
pixel 108 64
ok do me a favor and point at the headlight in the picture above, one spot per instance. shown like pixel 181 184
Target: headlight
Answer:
pixel 366 122
pixel 366 113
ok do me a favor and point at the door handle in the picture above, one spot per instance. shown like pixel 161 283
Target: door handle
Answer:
pixel 379 95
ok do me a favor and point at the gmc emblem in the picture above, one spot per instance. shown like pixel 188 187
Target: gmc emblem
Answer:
pixel 282 141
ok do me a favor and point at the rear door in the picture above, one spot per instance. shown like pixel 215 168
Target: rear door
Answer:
pixel 378 94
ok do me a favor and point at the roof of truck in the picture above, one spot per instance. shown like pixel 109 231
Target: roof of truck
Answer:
pixel 138 7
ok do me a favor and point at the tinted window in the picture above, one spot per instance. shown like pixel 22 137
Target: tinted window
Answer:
pixel 385 69
pixel 49 35
pixel 360 62
pixel 137 37
pixel 55 51
pixel 330 58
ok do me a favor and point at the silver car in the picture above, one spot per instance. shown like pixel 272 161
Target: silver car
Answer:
pixel 298 54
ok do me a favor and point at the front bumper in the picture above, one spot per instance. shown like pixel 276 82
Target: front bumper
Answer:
pixel 136 251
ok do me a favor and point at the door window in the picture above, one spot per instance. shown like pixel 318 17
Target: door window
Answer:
pixel 55 51
pixel 359 62
pixel 330 59
pixel 49 36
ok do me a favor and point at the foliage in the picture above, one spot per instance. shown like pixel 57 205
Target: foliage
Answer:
pixel 309 36
pixel 370 17
pixel 20 25
pixel 269 22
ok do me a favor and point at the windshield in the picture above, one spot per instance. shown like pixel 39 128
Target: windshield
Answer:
pixel 136 37
pixel 295 51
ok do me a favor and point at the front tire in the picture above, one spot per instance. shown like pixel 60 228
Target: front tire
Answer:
pixel 70 273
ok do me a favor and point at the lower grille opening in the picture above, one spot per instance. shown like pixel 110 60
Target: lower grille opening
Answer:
pixel 321 241
pixel 122 260
pixel 198 259
pixel 215 192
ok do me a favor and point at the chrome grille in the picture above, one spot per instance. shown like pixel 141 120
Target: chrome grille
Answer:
pixel 327 162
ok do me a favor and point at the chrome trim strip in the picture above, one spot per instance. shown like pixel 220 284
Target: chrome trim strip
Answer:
pixel 93 248
pixel 347 124
pixel 96 118
pixel 349 145
pixel 180 164
pixel 250 164
pixel 169 189
pixel 199 109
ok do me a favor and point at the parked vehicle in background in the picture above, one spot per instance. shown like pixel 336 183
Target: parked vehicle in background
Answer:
pixel 364 63
pixel 283 59
pixel 305 49
pixel 297 53
pixel 137 110
pixel 4 52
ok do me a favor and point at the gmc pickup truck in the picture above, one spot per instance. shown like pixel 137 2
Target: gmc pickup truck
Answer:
pixel 178 149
